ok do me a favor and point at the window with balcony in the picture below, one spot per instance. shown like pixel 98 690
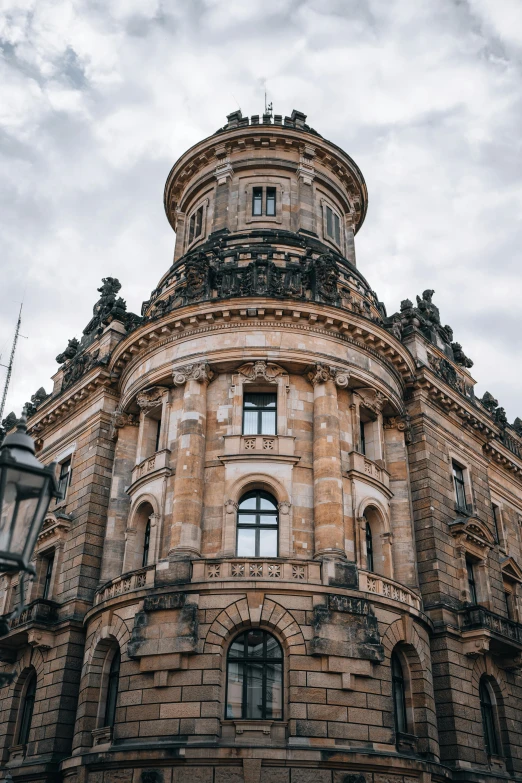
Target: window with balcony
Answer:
pixel 459 484
pixel 259 413
pixel 489 721
pixel 254 677
pixel 257 525
pixel 26 716
pixel 111 699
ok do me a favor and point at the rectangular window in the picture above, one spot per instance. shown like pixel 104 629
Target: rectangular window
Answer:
pixel 259 413
pixel 64 478
pixel 471 582
pixel 507 599
pixel 49 563
pixel 460 487
pixel 362 437
pixel 158 435
pixel 270 201
pixel 496 520
pixel 333 225
pixel 192 225
pixel 257 201
pixel 195 224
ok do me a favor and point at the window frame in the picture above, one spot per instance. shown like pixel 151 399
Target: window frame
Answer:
pixel 247 215
pixel 193 223
pixel 471 581
pixel 27 709
pixel 258 494
pixel 48 575
pixel 459 485
pixel 489 727
pixel 398 679
pixel 332 218
pixel 260 410
pixel 112 691
pixel 265 661
pixel 146 544
pixel 64 479
pixel 369 549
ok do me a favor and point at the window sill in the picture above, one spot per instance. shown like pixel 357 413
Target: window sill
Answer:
pixel 263 219
pixel 17 753
pixel 102 736
pixel 249 731
pixel 406 743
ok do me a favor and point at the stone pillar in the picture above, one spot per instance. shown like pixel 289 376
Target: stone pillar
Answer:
pixel 124 429
pixel 185 535
pixel 396 432
pixel 328 485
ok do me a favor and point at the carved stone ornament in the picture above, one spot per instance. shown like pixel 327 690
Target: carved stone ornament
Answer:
pixel 372 400
pixel 230 507
pixel 320 373
pixel 150 398
pixel 199 372
pixel 119 420
pixel 265 370
pixel 401 423
pixel 284 507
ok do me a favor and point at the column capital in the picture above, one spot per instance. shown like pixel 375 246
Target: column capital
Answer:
pixel 150 398
pixel 200 372
pixel 119 420
pixel 401 423
pixel 321 373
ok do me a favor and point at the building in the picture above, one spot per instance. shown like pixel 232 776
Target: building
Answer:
pixel 289 547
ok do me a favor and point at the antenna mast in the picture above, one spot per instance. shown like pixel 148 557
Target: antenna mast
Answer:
pixel 10 365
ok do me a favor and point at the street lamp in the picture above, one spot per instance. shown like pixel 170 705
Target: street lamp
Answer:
pixel 26 489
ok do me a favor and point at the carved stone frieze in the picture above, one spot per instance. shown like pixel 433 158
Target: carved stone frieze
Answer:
pixel 200 372
pixel 265 370
pixel 150 398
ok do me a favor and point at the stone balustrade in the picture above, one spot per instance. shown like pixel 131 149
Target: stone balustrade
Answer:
pixel 273 569
pixel 359 463
pixel 387 588
pixel 126 583
pixel 39 611
pixel 155 462
pixel 281 445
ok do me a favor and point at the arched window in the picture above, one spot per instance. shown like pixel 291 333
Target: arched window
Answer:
pixel 112 690
pixel 27 710
pixel 257 525
pixel 369 547
pixel 399 695
pixel 488 719
pixel 255 677
pixel 146 545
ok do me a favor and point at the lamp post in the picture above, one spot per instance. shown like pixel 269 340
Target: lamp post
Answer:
pixel 26 489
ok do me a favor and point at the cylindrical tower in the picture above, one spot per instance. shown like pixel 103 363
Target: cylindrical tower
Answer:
pixel 259 591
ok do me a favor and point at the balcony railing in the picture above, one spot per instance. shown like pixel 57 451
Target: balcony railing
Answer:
pixel 281 445
pixel 359 463
pixel 155 462
pixel 39 611
pixel 479 618
pixel 126 583
pixel 381 585
pixel 269 570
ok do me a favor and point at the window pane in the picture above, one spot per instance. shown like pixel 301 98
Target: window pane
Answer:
pixel 268 543
pixel 199 221
pixel 250 419
pixel 329 221
pixel 246 519
pixel 255 641
pixel 274 691
pixel 268 519
pixel 246 542
pixel 268 423
pixel 254 709
pixel 257 201
pixel 260 400
pixel 248 503
pixel 265 504
pixel 337 227
pixel 235 690
pixel 273 648
pixel 191 227
pixel 237 648
pixel 270 201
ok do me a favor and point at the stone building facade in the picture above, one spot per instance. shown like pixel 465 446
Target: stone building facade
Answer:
pixel 289 544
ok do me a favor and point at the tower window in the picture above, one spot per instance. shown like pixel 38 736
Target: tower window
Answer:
pixel 270 201
pixel 64 478
pixel 259 413
pixel 399 695
pixel 196 224
pixel 146 545
pixel 254 677
pixel 460 486
pixel 49 563
pixel 257 201
pixel 333 225
pixel 488 720
pixel 472 585
pixel 369 548
pixel 257 525
pixel 112 690
pixel 27 711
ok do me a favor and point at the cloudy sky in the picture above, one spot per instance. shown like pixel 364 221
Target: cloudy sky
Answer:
pixel 99 97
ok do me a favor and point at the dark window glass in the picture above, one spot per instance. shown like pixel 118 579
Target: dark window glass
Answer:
pixel 257 201
pixel 333 225
pixel 488 720
pixel 64 478
pixel 460 488
pixel 199 222
pixel 27 711
pixel 259 414
pixel 158 435
pixel 257 525
pixel 471 582
pixel 507 599
pixel 362 437
pixel 192 225
pixel 146 545
pixel 270 201
pixel 399 695
pixel 337 229
pixel 255 677
pixel 49 562
pixel 496 520
pixel 112 690
pixel 369 547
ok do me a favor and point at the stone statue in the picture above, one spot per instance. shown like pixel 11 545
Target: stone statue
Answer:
pixel 70 351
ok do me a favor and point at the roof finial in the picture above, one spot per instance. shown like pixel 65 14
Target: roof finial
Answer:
pixel 268 106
